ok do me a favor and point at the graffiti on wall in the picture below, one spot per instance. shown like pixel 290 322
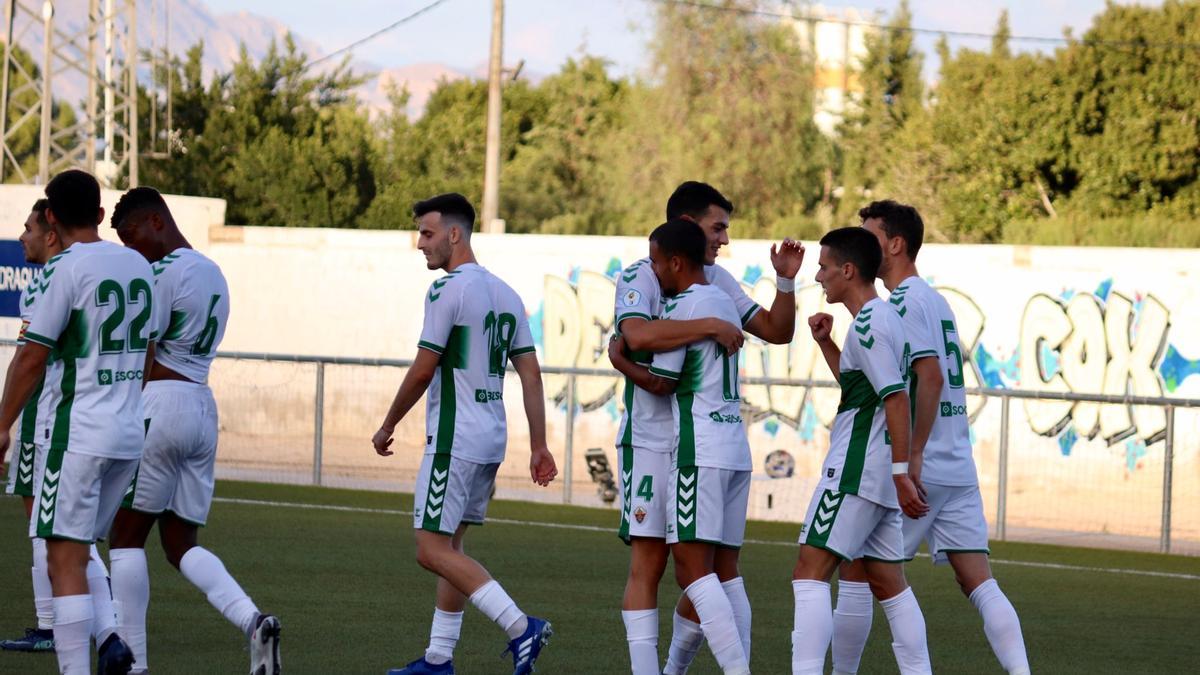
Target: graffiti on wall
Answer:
pixel 1095 342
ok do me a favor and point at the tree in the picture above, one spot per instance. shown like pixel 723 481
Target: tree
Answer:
pixel 24 144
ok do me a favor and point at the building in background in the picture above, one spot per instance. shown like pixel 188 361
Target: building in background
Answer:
pixel 837 40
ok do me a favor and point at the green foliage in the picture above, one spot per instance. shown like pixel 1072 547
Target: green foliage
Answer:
pixel 1098 142
pixel 23 141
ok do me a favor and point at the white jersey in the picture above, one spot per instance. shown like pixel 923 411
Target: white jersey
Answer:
pixel 33 414
pixel 720 277
pixel 97 316
pixel 932 331
pixel 873 365
pixel 648 422
pixel 476 323
pixel 706 407
pixel 192 287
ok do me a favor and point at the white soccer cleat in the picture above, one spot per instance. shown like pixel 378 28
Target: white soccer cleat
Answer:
pixel 264 646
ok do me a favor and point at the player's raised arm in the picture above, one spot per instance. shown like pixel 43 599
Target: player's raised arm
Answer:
pixel 821 327
pixel 777 325
pixel 541 463
pixel 640 374
pixel 416 381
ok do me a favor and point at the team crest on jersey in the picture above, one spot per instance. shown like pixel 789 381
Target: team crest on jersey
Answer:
pixel 829 473
pixel 639 514
pixel 632 298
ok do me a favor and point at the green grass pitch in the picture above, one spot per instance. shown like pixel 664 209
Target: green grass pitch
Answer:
pixel 353 600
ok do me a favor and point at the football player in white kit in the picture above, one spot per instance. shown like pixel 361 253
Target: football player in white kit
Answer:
pixel 643 440
pixel 40 243
pixel 855 511
pixel 941 462
pixel 474 325
pixel 93 324
pixel 174 484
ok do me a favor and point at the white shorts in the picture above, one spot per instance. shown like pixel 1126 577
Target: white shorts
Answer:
pixel 707 505
pixel 78 495
pixel 644 478
pixel 954 524
pixel 176 473
pixel 851 527
pixel 21 461
pixel 451 491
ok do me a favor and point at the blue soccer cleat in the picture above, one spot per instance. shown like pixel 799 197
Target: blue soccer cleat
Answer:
pixel 35 640
pixel 114 657
pixel 528 647
pixel 423 667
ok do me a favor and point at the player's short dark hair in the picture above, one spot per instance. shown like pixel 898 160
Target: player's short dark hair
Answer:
pixel 899 220
pixel 856 246
pixel 681 238
pixel 138 199
pixel 74 197
pixel 452 206
pixel 39 211
pixel 693 199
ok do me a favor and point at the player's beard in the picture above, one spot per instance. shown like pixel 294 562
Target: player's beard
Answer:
pixel 438 257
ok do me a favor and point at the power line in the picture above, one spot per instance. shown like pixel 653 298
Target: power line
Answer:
pixel 392 26
pixel 930 31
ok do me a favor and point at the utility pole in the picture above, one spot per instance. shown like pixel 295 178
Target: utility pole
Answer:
pixel 491 169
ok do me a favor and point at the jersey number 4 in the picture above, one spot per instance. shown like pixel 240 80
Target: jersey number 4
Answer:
pixel 110 292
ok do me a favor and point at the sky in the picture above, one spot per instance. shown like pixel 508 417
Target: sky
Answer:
pixel 546 32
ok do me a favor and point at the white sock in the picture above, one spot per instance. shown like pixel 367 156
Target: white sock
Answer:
pixel 716 620
pixel 443 636
pixel 43 595
pixel 908 633
pixel 495 604
pixel 735 590
pixel 73 634
pixel 1001 625
pixel 686 638
pixel 207 573
pixel 851 625
pixel 104 617
pixel 94 556
pixel 812 626
pixel 131 598
pixel 641 632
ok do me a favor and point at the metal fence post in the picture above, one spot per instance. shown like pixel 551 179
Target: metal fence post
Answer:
pixel 1002 479
pixel 569 444
pixel 318 422
pixel 1164 540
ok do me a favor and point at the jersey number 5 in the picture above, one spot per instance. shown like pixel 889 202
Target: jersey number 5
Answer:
pixel 953 351
pixel 109 292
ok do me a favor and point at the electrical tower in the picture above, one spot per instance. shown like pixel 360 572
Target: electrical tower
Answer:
pixel 102 137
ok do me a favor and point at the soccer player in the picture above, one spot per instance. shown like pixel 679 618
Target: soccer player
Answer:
pixel 94 316
pixel 940 463
pixel 864 482
pixel 474 325
pixel 174 483
pixel 709 480
pixel 40 243
pixel 642 446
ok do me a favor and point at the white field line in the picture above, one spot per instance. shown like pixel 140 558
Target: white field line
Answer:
pixel 763 542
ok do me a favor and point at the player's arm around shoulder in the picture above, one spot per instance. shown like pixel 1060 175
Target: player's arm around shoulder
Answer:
pixel 637 373
pixel 542 468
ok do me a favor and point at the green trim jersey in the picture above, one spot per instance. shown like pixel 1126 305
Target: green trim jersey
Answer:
pixel 706 407
pixel 96 314
pixel 873 366
pixel 648 422
pixel 192 287
pixel 720 277
pixel 32 414
pixel 932 331
pixel 475 322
